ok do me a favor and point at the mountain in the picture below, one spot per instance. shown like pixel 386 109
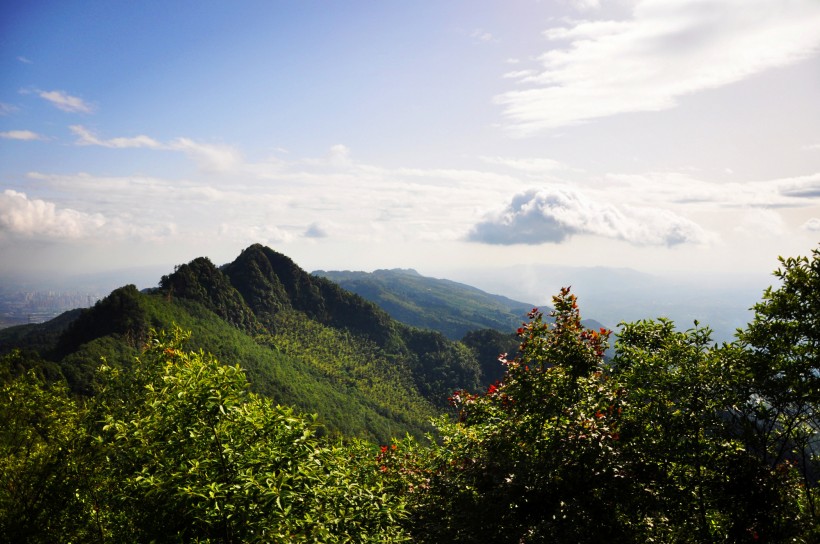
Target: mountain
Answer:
pixel 302 340
pixel 614 295
pixel 449 307
pixel 452 308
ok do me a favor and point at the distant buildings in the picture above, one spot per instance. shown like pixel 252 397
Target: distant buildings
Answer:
pixel 21 307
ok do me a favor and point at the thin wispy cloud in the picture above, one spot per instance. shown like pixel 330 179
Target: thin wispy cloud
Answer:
pixel 675 188
pixel 219 158
pixel 482 35
pixel 761 222
pixel 6 109
pixel 585 5
pixel 266 234
pixel 66 102
pixel 667 49
pixel 25 135
pixel 87 137
pixel 212 157
pixel 530 165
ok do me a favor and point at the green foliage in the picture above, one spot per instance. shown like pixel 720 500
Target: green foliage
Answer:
pixel 439 365
pixel 781 415
pixel 314 320
pixel 201 281
pixel 362 370
pixel 196 456
pixel 271 282
pixel 119 313
pixel 567 448
pixel 489 345
pixel 356 388
pixel 534 458
pixel 698 478
pixel 39 462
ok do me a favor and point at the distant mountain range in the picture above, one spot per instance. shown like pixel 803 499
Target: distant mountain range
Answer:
pixel 452 308
pixel 612 295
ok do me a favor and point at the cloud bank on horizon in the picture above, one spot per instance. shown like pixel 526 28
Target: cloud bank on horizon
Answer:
pixel 622 132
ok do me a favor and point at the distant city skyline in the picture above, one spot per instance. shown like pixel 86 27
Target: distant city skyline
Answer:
pixel 667 136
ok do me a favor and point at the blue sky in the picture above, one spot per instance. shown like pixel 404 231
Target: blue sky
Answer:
pixel 667 136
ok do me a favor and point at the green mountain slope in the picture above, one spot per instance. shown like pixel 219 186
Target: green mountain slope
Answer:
pixel 303 341
pixel 452 308
pixel 482 321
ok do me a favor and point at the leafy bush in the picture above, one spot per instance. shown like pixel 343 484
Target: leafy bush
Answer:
pixel 196 456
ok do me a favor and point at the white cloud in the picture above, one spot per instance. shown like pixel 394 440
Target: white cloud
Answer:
pixel 519 74
pixel 86 137
pixel 805 187
pixel 266 234
pixel 218 158
pixel 761 222
pixel 340 155
pixel 21 135
pixel 675 188
pixel 584 5
pixel 812 225
pixel 553 214
pixel 529 165
pixel 31 218
pixel 482 35
pixel 66 102
pixel 666 50
pixel 24 60
pixel 6 109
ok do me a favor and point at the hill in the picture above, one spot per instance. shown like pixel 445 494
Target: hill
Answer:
pixel 302 340
pixel 452 308
pixel 449 307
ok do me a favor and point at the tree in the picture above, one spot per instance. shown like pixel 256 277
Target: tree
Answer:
pixel 696 480
pixel 781 419
pixel 193 455
pixel 40 462
pixel 533 459
pixel 567 448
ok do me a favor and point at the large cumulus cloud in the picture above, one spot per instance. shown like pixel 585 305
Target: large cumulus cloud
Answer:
pixel 554 214
pixel 22 216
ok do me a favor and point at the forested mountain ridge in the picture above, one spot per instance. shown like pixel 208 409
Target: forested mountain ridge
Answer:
pixel 269 282
pixel 449 307
pixel 302 340
pixel 452 308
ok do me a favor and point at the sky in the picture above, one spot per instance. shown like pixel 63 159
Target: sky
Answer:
pixel 671 137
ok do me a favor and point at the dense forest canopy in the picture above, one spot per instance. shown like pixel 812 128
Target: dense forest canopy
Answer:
pixel 170 439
